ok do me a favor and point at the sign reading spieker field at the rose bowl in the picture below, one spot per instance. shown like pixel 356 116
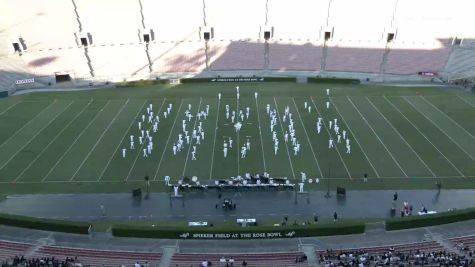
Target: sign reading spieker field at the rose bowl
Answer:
pixel 238 79
pixel 237 235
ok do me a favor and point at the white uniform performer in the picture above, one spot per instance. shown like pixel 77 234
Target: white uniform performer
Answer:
pixel 219 96
pixel 225 150
pixel 328 104
pixel 243 152
pixel 132 145
pixel 123 152
pixel 255 95
pixel 330 123
pixel 248 144
pixel 140 140
pixel 143 118
pixel 145 153
pixel 330 143
pixel 339 138
pixel 305 104
pixel 344 134
pixel 348 149
pixel 309 109
pixel 328 91
pixel 140 125
pixel 174 149
pixel 193 153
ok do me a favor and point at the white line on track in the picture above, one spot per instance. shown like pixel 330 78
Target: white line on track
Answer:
pixel 143 144
pixel 438 127
pixel 447 116
pixel 168 139
pixel 286 147
pixel 308 139
pixel 330 135
pixel 191 142
pixel 34 136
pixel 396 108
pixel 121 140
pixel 10 107
pixel 466 101
pixel 99 139
pixel 260 135
pixel 214 141
pixel 52 141
pixel 74 142
pixel 377 136
pixel 402 138
pixel 354 137
pixel 26 124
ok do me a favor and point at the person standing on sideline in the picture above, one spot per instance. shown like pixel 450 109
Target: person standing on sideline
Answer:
pixel 335 216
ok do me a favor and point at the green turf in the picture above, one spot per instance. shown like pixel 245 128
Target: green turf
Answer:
pixel 402 137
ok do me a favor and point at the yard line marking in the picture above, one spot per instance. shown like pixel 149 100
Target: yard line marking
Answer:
pixel 121 140
pixel 457 144
pixel 34 136
pixel 74 142
pixel 286 147
pixel 464 100
pixel 99 139
pixel 10 107
pixel 143 144
pixel 402 138
pixel 310 143
pixel 447 116
pixel 214 142
pixel 329 133
pixel 26 124
pixel 354 136
pixel 396 108
pixel 52 141
pixel 237 136
pixel 260 135
pixel 191 142
pixel 377 136
pixel 168 139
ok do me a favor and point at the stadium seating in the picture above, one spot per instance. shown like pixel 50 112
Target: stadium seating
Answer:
pixel 464 241
pixel 357 56
pixel 12 68
pixel 99 257
pixel 184 56
pixel 238 55
pixel 461 60
pixel 10 249
pixel 410 58
pixel 118 60
pixel 254 259
pixel 294 56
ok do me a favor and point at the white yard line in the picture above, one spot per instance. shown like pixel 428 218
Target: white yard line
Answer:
pixel 141 146
pixel 260 135
pixel 52 141
pixel 396 108
pixel 286 147
pixel 377 136
pixel 10 107
pixel 74 142
pixel 214 141
pixel 468 102
pixel 34 136
pixel 457 144
pixel 308 139
pixel 168 139
pixel 191 142
pixel 26 124
pixel 329 134
pixel 121 140
pixel 447 116
pixel 99 139
pixel 402 138
pixel 237 136
pixel 354 137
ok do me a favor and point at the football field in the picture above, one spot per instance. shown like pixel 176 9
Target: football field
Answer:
pixel 401 137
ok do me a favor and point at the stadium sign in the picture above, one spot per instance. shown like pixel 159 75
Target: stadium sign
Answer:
pixel 25 81
pixel 244 235
pixel 238 79
pixel 428 73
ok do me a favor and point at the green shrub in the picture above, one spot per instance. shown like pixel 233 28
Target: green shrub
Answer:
pixel 333 80
pixel 45 224
pixel 236 232
pixel 430 220
pixel 140 83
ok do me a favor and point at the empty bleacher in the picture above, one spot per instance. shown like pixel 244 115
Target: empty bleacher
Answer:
pixel 357 56
pixel 237 55
pixel 294 56
pixel 118 60
pixel 50 61
pixel 184 56
pixel 11 249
